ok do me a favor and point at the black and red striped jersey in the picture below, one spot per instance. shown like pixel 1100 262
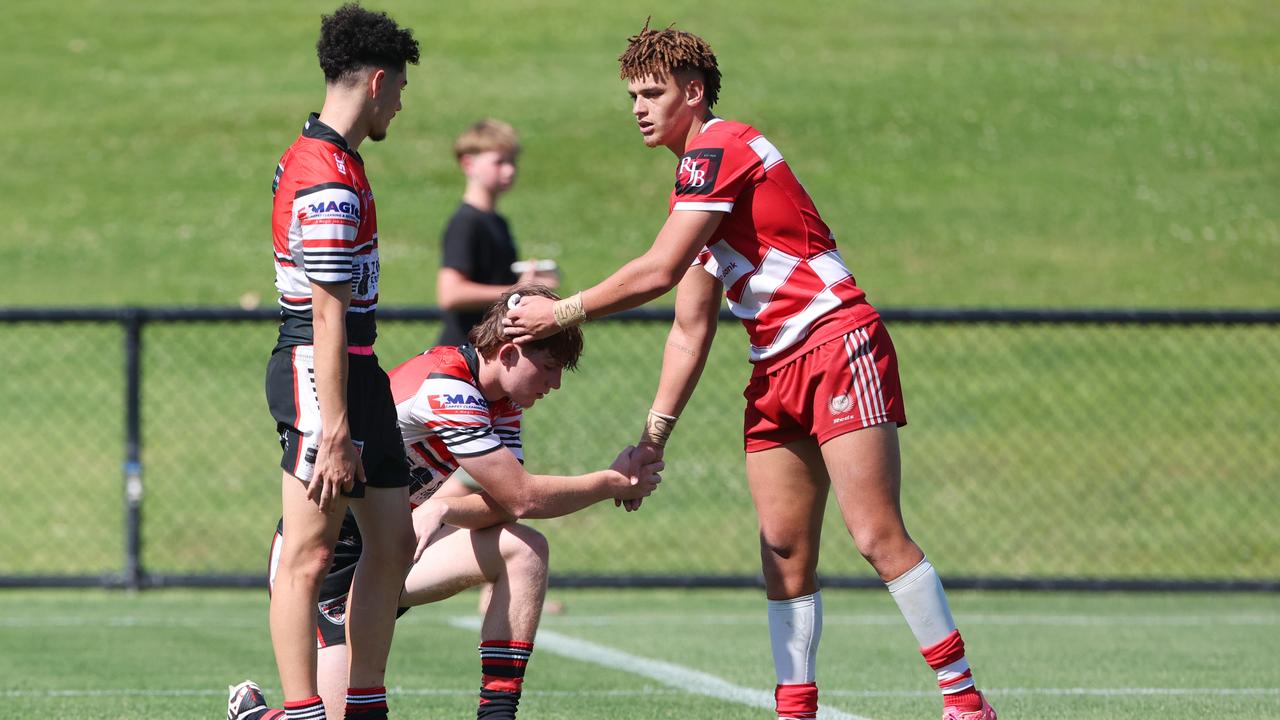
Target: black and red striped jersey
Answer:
pixel 782 275
pixel 324 230
pixel 444 416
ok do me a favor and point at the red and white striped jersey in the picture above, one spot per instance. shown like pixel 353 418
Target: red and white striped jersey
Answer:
pixel 782 274
pixel 443 416
pixel 325 230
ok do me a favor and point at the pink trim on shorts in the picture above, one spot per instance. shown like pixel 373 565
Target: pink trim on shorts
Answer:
pixel 360 349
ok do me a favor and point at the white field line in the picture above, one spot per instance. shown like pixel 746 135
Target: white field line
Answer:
pixel 654 691
pixel 751 619
pixel 670 674
pixel 964 619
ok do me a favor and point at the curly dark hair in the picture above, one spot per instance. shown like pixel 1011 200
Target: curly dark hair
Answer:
pixel 565 347
pixel 353 38
pixel 658 52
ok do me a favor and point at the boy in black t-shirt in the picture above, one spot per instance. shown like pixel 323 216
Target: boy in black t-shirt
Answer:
pixel 478 248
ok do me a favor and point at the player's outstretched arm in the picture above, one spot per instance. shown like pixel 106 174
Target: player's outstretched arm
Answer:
pixel 523 495
pixel 689 341
pixel 634 284
pixel 683 359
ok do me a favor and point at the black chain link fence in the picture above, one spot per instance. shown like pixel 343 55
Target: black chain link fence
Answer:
pixel 1069 449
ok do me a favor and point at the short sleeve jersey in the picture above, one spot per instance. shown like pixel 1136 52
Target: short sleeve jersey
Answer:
pixel 324 230
pixel 444 416
pixel 479 245
pixel 782 275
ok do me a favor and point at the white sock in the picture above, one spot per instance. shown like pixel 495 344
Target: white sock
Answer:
pixel 923 603
pixel 795 627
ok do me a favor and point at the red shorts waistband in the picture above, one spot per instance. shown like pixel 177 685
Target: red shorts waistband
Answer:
pixel 360 349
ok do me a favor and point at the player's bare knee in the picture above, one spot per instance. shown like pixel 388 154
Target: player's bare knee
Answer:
pixel 522 545
pixel 877 544
pixel 392 549
pixel 306 565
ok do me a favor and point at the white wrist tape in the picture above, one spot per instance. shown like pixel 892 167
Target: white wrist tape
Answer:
pixel 658 427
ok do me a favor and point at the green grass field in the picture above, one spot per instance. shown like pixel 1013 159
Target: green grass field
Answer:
pixel 169 654
pixel 1064 153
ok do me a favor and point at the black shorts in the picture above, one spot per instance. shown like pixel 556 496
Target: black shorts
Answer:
pixel 371 417
pixel 331 609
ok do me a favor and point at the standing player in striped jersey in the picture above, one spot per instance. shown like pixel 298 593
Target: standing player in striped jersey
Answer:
pixel 823 403
pixel 462 407
pixel 330 399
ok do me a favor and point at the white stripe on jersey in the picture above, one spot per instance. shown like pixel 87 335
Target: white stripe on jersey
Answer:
pixel 723 207
pixel 769 155
pixel 797 325
pixel 729 266
pixel 772 274
pixel 830 267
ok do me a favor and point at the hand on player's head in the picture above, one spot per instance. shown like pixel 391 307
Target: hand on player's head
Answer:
pixel 533 319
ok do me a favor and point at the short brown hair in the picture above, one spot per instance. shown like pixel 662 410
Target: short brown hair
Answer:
pixel 485 135
pixel 565 346
pixel 658 52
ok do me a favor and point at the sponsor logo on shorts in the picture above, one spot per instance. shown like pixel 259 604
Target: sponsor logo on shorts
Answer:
pixel 335 610
pixel 839 404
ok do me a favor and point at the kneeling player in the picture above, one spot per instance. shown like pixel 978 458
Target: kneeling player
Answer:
pixel 460 407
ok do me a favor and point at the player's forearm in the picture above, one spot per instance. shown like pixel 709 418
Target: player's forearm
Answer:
pixel 474 512
pixel 550 496
pixel 330 359
pixel 634 284
pixel 683 360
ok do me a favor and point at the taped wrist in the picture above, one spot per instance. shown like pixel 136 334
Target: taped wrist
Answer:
pixel 569 311
pixel 657 428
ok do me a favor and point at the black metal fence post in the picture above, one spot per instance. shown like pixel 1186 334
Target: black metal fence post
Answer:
pixel 133 449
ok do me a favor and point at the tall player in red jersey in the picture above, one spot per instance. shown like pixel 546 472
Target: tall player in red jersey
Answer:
pixel 823 402
pixel 331 401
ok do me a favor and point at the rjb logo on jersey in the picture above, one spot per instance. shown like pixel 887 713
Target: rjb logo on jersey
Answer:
pixel 696 174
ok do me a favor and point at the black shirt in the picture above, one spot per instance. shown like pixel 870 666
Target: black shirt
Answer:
pixel 477 244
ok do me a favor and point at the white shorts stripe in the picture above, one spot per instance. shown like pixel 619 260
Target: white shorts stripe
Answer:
pixel 853 368
pixel 873 374
pixel 866 378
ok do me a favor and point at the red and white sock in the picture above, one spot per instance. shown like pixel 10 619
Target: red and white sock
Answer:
pixel 366 704
pixel 795 627
pixel 310 709
pixel 954 677
pixel 919 595
pixel 502 666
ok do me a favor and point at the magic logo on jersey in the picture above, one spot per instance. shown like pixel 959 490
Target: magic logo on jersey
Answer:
pixel 696 173
pixel 458 404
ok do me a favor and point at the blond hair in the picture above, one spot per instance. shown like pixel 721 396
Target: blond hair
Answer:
pixel 486 135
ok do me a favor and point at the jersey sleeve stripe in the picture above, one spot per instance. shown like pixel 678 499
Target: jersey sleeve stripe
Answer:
pixel 769 155
pixel 323 186
pixel 723 207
